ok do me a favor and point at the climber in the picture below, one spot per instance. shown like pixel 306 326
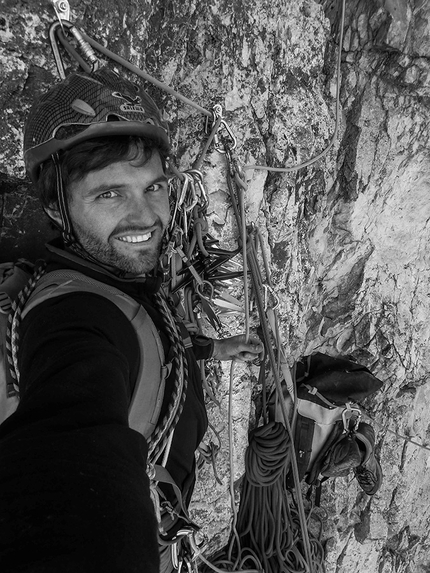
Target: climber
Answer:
pixel 74 489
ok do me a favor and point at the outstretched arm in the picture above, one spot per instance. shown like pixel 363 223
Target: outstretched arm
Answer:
pixel 74 494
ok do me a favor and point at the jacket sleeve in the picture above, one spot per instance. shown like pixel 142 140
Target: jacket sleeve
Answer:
pixel 74 495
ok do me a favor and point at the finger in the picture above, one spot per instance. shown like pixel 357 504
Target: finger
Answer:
pixel 255 347
pixel 247 356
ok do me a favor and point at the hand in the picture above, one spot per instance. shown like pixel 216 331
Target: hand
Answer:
pixel 236 348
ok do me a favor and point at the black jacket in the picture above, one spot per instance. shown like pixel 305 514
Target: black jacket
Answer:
pixel 74 495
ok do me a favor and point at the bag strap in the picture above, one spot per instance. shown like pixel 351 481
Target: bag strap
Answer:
pixel 148 393
pixel 312 390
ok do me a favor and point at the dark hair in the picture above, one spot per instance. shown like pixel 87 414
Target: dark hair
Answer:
pixel 91 155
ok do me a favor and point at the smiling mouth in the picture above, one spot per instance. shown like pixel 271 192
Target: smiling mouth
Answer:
pixel 135 238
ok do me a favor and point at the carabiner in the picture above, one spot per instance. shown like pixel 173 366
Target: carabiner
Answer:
pixel 198 179
pixel 193 196
pixel 219 146
pixel 217 114
pixel 205 290
pixel 350 414
pixel 268 288
pixel 180 200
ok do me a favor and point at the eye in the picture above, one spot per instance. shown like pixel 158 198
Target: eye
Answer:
pixel 107 195
pixel 155 187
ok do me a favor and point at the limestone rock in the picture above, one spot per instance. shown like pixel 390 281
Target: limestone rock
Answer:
pixel 347 238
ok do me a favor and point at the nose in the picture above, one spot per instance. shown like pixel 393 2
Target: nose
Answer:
pixel 140 211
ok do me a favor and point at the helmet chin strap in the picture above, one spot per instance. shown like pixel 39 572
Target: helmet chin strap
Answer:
pixel 66 228
pixel 66 223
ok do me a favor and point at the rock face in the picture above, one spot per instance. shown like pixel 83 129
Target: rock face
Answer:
pixel 347 238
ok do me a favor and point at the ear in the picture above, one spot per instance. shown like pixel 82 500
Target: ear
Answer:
pixel 54 214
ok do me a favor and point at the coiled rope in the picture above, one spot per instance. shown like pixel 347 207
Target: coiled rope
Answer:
pixel 268 522
pixel 234 558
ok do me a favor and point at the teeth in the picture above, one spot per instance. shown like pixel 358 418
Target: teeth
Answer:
pixel 135 238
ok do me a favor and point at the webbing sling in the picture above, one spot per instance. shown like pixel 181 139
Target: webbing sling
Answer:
pixel 148 393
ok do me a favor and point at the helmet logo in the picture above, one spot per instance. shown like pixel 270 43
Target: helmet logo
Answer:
pixel 132 103
pixel 82 107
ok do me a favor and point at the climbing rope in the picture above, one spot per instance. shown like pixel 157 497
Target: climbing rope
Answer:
pixel 162 434
pixel 234 558
pixel 268 522
pixel 235 183
pixel 57 29
pixel 312 160
pixel 14 321
pixel 383 425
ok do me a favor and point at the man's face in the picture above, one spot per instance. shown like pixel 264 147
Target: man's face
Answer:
pixel 120 213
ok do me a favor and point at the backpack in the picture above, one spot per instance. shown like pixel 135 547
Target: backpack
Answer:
pixel 148 393
pixel 326 416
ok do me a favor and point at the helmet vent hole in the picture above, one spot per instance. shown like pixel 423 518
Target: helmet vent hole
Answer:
pixel 68 131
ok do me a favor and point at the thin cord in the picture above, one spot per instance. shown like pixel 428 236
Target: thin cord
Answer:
pixel 383 426
pixel 332 141
pixel 143 74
